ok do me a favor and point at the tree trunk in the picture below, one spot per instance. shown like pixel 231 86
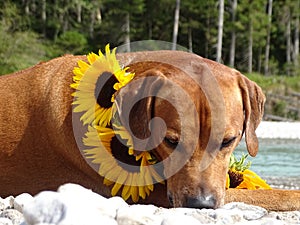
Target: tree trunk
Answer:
pixel 176 24
pixel 296 45
pixel 267 53
pixel 233 35
pixel 98 15
pixel 92 24
pixel 259 60
pixel 78 9
pixel 44 17
pixel 288 41
pixel 190 37
pixel 127 32
pixel 250 47
pixel 220 30
pixel 27 9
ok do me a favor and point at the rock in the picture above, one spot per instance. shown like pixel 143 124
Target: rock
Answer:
pixel 81 193
pixel 72 205
pixel 138 215
pixel 75 205
pixel 89 199
pixel 249 212
pixel 179 220
pixel 13 215
pixel 204 216
pixel 2 204
pixel 292 217
pixel 6 203
pixel 225 216
pixel 5 221
pixel 84 217
pixel 47 207
pixel 21 200
pixel 118 202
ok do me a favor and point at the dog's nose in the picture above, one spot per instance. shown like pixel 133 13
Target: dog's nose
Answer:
pixel 208 202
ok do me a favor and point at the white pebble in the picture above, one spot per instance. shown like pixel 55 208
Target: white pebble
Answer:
pixel 47 207
pixel 138 215
pixel 8 202
pixel 180 220
pixel 249 212
pixel 13 215
pixel 118 202
pixel 75 205
pixel 21 200
pixel 87 199
pixel 5 221
pixel 82 193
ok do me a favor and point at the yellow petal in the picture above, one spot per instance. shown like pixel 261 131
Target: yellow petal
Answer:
pixel 119 183
pixel 142 192
pixel 107 182
pixel 126 192
pixel 253 181
pixel 227 181
pixel 126 189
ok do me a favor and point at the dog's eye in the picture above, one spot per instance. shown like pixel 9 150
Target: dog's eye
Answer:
pixel 227 142
pixel 171 141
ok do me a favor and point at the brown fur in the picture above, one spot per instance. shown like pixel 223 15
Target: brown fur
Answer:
pixel 38 149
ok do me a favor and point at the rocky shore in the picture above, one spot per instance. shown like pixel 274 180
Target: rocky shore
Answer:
pixel 74 205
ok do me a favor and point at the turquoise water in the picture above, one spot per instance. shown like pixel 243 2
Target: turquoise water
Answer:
pixel 278 161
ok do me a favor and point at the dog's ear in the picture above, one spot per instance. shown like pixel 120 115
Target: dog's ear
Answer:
pixel 135 103
pixel 253 103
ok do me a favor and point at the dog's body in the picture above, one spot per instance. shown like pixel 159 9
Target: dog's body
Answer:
pixel 38 149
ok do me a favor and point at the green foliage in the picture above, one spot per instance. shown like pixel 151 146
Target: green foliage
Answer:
pixel 72 42
pixel 279 108
pixel 17 51
pixel 239 165
pixel 80 26
pixel 275 82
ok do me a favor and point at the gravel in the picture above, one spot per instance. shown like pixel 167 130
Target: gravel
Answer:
pixel 73 204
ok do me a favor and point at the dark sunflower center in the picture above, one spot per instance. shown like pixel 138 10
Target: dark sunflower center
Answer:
pixel 105 89
pixel 120 152
pixel 235 179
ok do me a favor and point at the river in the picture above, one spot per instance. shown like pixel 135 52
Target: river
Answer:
pixel 278 161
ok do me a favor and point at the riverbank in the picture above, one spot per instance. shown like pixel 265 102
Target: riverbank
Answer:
pixel 281 130
pixel 75 205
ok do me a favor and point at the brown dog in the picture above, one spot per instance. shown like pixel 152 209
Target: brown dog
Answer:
pixel 39 151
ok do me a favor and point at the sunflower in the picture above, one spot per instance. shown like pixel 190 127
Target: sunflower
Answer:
pixel 96 83
pixel 131 178
pixel 109 144
pixel 239 176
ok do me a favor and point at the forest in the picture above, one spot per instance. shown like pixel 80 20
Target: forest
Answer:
pixel 258 37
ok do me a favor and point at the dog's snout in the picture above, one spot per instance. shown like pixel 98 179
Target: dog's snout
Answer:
pixel 208 202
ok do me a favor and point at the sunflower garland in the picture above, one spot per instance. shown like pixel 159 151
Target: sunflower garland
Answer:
pixel 96 84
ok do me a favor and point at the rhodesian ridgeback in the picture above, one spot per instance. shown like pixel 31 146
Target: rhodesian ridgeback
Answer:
pixel 206 108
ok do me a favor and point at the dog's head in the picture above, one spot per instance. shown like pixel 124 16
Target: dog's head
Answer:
pixel 191 114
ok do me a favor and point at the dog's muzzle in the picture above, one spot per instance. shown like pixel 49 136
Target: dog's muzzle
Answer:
pixel 199 202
